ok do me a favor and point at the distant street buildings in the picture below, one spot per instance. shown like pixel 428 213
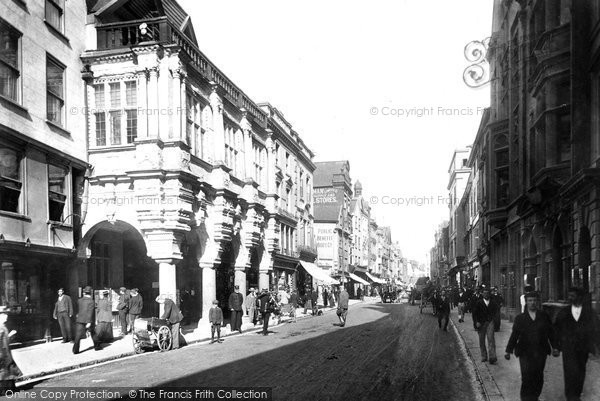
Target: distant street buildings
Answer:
pixel 128 158
pixel 530 206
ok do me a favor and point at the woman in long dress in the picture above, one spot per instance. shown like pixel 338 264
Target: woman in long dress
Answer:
pixel 9 370
pixel 104 329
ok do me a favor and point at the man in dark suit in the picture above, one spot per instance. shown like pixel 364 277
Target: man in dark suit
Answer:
pixel 236 305
pixel 577 331
pixel 174 316
pixel 63 312
pixel 483 315
pixel 135 306
pixel 265 305
pixel 123 308
pixel 497 298
pixel 443 309
pixel 532 339
pixel 85 319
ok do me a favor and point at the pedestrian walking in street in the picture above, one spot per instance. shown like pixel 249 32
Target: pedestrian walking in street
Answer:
pixel 265 306
pixel 250 305
pixel 104 328
pixel 307 300
pixel 85 320
pixel 462 300
pixel 532 340
pixel 577 332
pixel 331 297
pixel 359 293
pixel 284 299
pixel 236 303
pixel 9 371
pixel 123 309
pixel 325 296
pixel 483 315
pixel 215 317
pixel 314 297
pixel 135 306
pixel 497 298
pixel 63 312
pixel 173 314
pixel 342 310
pixel 293 305
pixel 443 309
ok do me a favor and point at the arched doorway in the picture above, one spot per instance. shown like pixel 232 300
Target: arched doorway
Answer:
pixel 117 257
pixel 585 258
pixel 225 275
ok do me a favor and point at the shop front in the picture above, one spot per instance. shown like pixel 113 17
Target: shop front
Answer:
pixel 29 282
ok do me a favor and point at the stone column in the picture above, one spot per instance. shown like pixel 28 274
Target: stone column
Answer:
pixel 183 114
pixel 216 103
pixel 271 159
pixel 10 284
pixel 152 111
pixel 142 104
pixel 240 278
pixel 209 294
pixel 164 106
pixel 167 281
pixel 178 107
pixel 551 127
pixel 248 149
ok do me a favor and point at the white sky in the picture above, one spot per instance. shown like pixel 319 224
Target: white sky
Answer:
pixel 326 64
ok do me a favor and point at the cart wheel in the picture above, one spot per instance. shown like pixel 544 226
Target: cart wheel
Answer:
pixel 164 338
pixel 137 344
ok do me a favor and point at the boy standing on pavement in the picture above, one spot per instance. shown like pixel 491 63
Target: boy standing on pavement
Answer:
pixel 123 308
pixel 532 340
pixel 215 317
pixel 483 315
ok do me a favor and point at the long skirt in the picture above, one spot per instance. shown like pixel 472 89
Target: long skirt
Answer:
pixel 104 331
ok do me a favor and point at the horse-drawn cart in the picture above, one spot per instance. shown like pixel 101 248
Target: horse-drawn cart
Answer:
pixel 151 332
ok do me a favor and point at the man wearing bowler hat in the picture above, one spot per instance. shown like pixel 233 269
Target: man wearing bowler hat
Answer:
pixel 236 305
pixel 85 319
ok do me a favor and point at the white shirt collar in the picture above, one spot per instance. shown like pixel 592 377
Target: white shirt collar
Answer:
pixel 487 302
pixel 576 312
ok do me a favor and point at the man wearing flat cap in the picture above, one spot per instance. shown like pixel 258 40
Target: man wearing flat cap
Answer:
pixel 236 306
pixel 532 340
pixel 85 319
pixel 136 303
pixel 123 308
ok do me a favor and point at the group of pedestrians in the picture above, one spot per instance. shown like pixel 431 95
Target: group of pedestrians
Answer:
pixel 95 316
pixel 575 333
pixel 260 306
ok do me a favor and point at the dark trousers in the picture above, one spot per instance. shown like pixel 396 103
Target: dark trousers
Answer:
pixel 80 335
pixel 532 376
pixel 215 327
pixel 132 318
pixel 265 317
pixel 497 322
pixel 236 320
pixel 64 321
pixel 123 320
pixel 443 315
pixel 342 315
pixel 574 362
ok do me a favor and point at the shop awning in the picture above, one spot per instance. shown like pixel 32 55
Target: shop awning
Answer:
pixel 358 279
pixel 375 279
pixel 317 273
